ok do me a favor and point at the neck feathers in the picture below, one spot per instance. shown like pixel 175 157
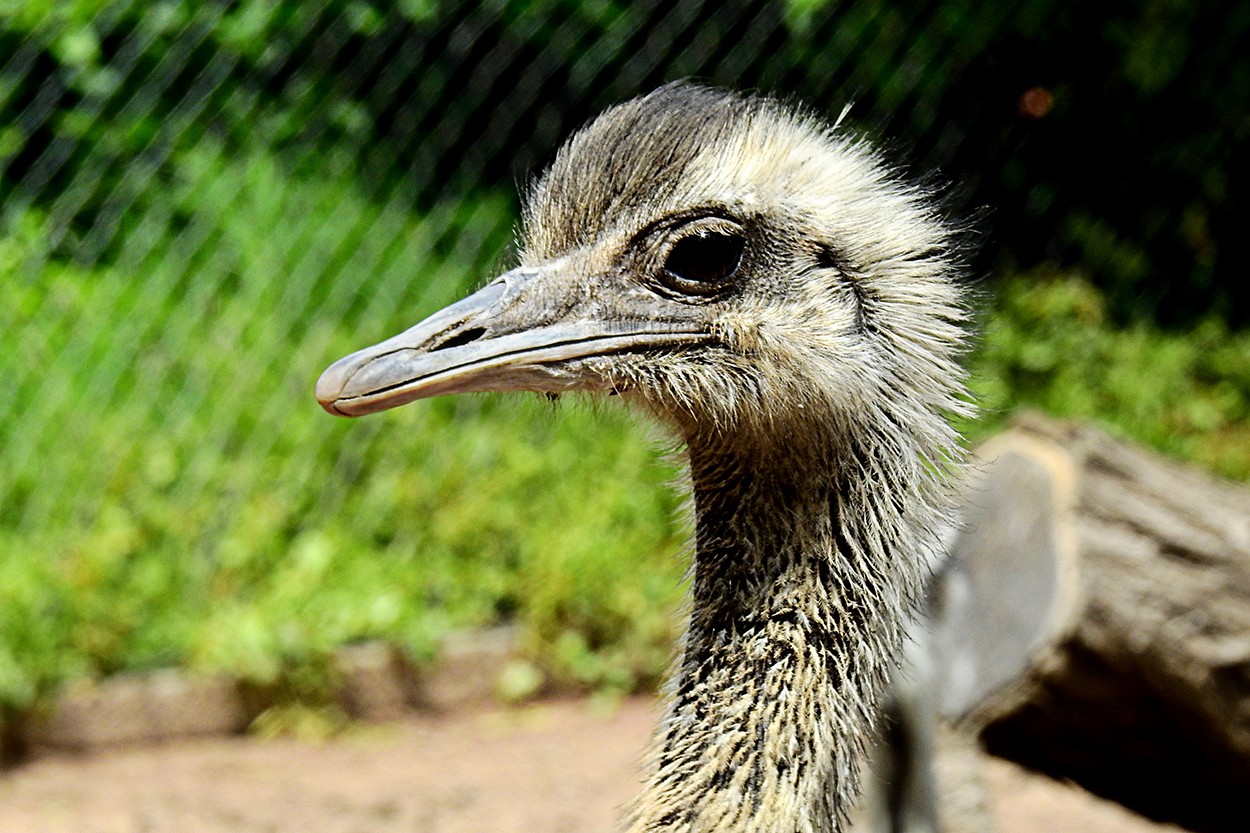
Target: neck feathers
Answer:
pixel 801 591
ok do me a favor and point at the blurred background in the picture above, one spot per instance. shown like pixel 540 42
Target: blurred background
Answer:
pixel 202 204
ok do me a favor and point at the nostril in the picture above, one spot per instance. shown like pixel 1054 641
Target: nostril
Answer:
pixel 461 338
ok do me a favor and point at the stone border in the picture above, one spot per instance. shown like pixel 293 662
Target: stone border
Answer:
pixel 379 682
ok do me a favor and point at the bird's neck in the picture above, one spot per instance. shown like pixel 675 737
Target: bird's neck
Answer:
pixel 799 598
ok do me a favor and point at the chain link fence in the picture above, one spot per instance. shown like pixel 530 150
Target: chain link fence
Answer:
pixel 201 204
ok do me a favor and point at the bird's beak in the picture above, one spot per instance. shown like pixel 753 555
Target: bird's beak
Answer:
pixel 524 331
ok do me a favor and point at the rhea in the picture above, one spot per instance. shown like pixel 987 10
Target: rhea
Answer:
pixel 788 305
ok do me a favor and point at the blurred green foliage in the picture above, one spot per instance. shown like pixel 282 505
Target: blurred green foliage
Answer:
pixel 1050 343
pixel 178 538
pixel 201 204
pixel 206 512
pixel 1109 137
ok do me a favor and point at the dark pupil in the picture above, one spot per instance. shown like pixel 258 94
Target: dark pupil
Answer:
pixel 705 258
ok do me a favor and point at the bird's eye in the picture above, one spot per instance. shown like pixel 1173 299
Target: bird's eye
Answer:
pixel 700 263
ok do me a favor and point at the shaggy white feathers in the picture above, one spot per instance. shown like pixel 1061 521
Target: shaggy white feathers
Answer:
pixel 786 303
pixel 816 423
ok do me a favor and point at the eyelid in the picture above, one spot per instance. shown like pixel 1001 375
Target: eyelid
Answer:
pixel 672 227
pixel 702 226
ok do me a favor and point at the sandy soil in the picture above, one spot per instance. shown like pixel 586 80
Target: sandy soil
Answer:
pixel 552 768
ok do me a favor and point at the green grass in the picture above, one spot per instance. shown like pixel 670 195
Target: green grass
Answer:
pixel 171 494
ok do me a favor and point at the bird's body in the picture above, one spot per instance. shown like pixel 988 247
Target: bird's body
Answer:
pixel 785 303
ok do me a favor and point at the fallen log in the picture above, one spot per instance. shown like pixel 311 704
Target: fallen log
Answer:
pixel 1093 621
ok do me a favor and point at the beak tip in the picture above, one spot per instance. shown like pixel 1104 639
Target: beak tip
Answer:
pixel 332 409
pixel 329 389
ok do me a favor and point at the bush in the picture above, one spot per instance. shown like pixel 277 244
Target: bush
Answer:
pixel 1050 343
pixel 201 204
pixel 1102 137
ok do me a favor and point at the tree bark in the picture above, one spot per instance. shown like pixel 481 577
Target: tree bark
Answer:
pixel 1093 622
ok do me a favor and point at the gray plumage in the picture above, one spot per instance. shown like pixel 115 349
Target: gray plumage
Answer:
pixel 785 302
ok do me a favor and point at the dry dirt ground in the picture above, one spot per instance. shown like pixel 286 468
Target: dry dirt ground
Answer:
pixel 552 768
